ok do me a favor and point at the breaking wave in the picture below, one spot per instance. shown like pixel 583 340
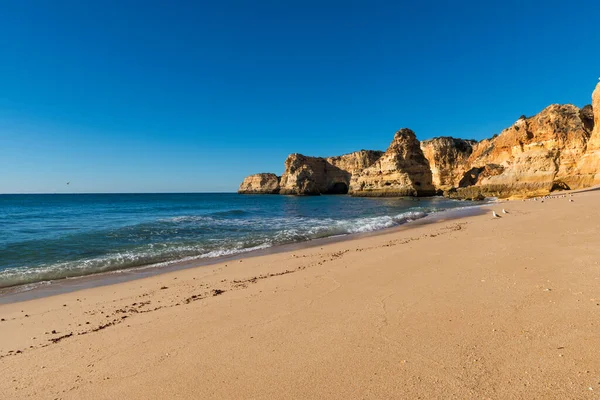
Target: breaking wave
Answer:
pixel 88 235
pixel 262 233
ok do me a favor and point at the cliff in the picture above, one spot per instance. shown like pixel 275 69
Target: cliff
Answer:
pixel 589 165
pixel 305 175
pixel 402 170
pixel 265 183
pixel 532 157
pixel 447 159
pixel 559 148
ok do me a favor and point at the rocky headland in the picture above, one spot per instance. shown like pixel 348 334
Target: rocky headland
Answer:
pixel 531 158
pixel 315 175
pixel 557 149
pixel 264 183
pixel 447 159
pixel 402 170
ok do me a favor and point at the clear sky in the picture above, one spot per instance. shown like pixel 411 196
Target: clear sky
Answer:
pixel 173 96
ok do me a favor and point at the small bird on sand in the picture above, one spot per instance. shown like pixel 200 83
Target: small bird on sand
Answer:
pixel 504 211
pixel 570 200
pixel 495 215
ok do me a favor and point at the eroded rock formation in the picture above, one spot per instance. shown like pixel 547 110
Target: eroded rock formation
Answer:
pixel 530 158
pixel 589 165
pixel 264 183
pixel 402 171
pixel 557 149
pixel 315 175
pixel 448 159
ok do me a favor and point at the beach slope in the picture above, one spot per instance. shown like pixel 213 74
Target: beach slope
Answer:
pixel 478 307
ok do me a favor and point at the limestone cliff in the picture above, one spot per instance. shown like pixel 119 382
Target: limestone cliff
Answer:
pixel 589 165
pixel 264 183
pixel 559 148
pixel 316 175
pixel 402 171
pixel 447 158
pixel 530 158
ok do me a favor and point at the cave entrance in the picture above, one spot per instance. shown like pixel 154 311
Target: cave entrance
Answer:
pixel 338 188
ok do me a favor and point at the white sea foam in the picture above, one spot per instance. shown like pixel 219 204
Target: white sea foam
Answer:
pixel 253 233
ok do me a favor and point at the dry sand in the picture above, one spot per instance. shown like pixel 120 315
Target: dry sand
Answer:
pixel 505 308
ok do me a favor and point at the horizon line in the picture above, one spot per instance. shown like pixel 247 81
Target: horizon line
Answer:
pixel 92 193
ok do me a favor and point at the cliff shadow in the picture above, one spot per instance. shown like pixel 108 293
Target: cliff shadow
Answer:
pixel 337 180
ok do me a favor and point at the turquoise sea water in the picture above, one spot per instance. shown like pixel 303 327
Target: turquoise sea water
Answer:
pixel 46 237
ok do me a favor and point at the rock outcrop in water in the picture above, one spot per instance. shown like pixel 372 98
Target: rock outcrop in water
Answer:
pixel 315 175
pixel 559 148
pixel 402 171
pixel 265 183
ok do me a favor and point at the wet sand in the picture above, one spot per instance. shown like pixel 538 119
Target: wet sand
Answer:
pixel 50 288
pixel 474 307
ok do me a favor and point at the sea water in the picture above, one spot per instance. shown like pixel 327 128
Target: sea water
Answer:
pixel 54 236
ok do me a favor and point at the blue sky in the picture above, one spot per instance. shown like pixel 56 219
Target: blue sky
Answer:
pixel 172 96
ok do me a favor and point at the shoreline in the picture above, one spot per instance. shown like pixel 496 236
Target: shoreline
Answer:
pixel 473 307
pixel 41 289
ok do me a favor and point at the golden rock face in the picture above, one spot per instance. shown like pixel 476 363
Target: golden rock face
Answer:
pixel 448 159
pixel 305 175
pixel 559 148
pixel 589 165
pixel 402 170
pixel 535 154
pixel 264 183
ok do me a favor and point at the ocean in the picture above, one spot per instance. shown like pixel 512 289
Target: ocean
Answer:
pixel 55 236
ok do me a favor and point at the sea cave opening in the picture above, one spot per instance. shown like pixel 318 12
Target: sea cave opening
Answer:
pixel 338 188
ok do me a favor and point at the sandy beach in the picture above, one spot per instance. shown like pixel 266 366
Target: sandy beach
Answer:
pixel 476 307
